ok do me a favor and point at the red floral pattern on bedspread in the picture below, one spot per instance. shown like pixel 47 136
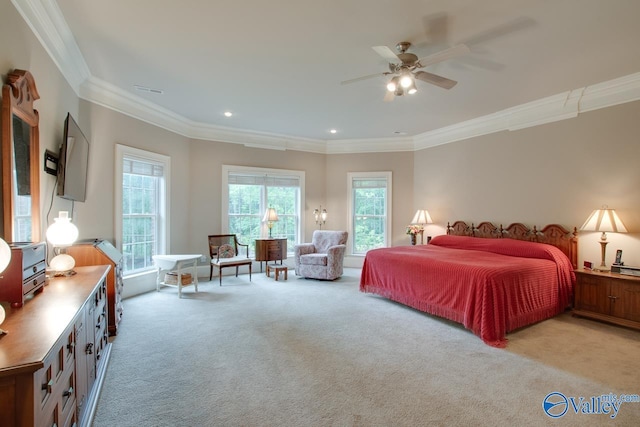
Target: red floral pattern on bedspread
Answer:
pixel 491 286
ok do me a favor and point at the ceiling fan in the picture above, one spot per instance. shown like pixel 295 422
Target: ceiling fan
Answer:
pixel 404 67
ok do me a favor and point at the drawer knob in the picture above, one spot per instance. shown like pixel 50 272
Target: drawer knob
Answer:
pixel 68 392
pixel 47 386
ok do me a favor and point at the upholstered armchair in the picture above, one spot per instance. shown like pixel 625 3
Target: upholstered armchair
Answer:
pixel 323 257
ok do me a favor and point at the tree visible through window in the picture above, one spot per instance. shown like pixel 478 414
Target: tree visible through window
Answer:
pixel 370 201
pixel 143 226
pixel 251 192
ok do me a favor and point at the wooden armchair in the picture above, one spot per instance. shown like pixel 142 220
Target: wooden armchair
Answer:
pixel 223 250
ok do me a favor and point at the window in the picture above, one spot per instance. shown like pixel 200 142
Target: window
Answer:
pixel 369 211
pixel 250 191
pixel 142 190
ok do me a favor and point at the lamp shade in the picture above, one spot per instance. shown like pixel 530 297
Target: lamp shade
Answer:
pixel 422 217
pixel 270 215
pixel 62 232
pixel 5 255
pixel 604 220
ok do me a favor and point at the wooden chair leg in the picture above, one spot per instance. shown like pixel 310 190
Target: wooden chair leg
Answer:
pixel 237 268
pixel 220 274
pixel 210 271
pixel 249 272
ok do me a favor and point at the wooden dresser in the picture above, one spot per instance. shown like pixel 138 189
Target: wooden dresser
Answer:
pixel 102 252
pixel 54 356
pixel 611 297
pixel 271 249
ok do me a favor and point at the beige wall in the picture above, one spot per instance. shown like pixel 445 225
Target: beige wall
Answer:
pixel 555 173
pixel 337 200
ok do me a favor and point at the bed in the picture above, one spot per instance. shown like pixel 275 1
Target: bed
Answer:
pixel 490 279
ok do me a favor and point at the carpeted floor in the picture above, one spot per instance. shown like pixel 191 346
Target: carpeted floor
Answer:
pixel 310 353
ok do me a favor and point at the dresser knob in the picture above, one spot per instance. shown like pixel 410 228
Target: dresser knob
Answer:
pixel 68 392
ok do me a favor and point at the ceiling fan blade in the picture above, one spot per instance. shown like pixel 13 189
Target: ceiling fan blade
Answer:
pixel 443 55
pixel 434 79
pixel 357 79
pixel 387 54
pixel 389 96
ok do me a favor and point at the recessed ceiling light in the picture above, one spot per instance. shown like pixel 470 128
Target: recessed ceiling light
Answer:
pixel 333 131
pixel 228 114
pixel 148 89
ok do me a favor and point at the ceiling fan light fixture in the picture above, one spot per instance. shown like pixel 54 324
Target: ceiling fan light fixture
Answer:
pixel 412 89
pixel 393 84
pixel 406 81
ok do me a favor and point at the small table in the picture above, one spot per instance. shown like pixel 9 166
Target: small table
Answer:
pixel 177 263
pixel 277 269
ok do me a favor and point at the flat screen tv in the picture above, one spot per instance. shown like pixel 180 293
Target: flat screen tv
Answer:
pixel 73 162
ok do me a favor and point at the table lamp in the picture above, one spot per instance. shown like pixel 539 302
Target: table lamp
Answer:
pixel 5 257
pixel 604 220
pixel 61 234
pixel 270 216
pixel 422 218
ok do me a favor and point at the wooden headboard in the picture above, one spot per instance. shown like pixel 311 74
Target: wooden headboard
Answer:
pixel 552 234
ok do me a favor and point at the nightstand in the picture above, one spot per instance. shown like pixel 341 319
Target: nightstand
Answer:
pixel 610 297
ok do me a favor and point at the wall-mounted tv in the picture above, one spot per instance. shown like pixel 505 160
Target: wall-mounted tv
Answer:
pixel 73 162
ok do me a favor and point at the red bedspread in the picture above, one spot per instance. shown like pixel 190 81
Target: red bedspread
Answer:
pixel 491 286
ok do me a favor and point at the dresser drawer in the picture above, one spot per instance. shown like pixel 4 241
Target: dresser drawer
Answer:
pixel 32 255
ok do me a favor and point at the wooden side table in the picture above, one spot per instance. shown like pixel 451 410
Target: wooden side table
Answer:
pixel 272 249
pixel 610 297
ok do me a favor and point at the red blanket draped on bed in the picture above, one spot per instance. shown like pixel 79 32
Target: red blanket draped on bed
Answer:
pixel 491 286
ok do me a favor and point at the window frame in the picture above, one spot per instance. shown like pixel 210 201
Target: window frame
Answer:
pixel 351 176
pixel 163 227
pixel 264 231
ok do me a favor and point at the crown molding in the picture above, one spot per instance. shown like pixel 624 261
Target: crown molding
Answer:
pixel 562 106
pixel 48 24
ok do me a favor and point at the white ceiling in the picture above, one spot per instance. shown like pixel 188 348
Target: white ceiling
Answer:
pixel 278 65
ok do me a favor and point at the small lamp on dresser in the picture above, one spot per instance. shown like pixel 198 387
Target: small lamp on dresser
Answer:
pixel 5 257
pixel 61 234
pixel 604 220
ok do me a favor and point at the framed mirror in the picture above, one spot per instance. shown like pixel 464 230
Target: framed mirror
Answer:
pixel 20 159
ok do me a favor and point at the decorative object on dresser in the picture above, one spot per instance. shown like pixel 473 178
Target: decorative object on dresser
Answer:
pixel 223 250
pixel 421 218
pixel 25 274
pixel 323 258
pixel 604 220
pixel 270 216
pixel 492 280
pixel 20 158
pixel 271 249
pixel 102 252
pixel 61 234
pixel 52 375
pixel 320 215
pixel 610 297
